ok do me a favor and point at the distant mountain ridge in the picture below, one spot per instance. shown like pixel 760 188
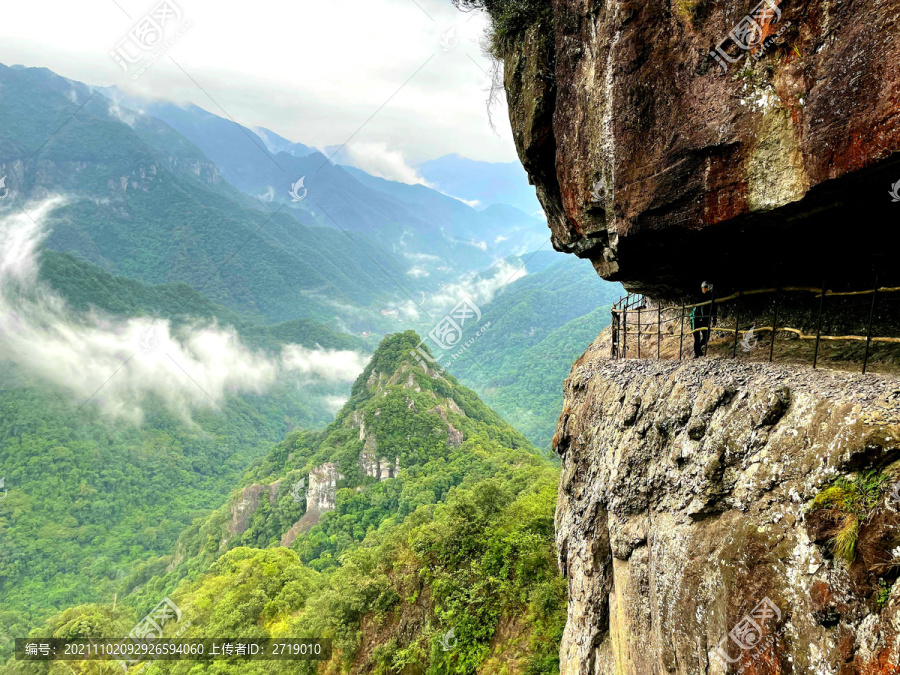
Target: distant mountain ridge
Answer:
pixel 410 220
pixel 144 202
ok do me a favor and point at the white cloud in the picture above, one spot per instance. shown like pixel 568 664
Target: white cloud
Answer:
pixel 474 203
pixel 124 115
pixel 480 289
pixel 119 363
pixel 387 75
pixel 376 159
pixel 421 257
pixel 334 403
pixel 329 365
pixel 418 271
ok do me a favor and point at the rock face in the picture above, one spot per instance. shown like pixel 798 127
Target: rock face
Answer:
pixel 322 488
pixel 664 167
pixel 683 524
pixel 455 437
pixel 242 510
pixel 372 465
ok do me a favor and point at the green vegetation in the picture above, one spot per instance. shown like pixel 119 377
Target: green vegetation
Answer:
pixel 93 504
pixel 89 500
pixel 539 326
pixel 510 19
pixel 883 594
pixel 87 287
pixel 688 9
pixel 462 538
pixel 852 502
pixel 103 519
pixel 135 210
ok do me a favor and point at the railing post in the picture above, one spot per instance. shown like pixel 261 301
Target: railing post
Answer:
pixel 737 323
pixel 681 339
pixel 625 331
pixel 869 329
pixel 658 327
pixel 712 306
pixel 819 327
pixel 639 331
pixel 774 326
pixel 613 335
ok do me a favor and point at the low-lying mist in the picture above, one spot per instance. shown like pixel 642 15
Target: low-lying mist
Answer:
pixel 116 364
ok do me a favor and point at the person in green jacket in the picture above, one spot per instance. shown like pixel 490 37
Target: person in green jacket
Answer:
pixel 701 318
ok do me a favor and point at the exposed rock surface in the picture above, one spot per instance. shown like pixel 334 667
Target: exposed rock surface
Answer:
pixel 455 437
pixel 663 168
pixel 371 464
pixel 242 510
pixel 322 488
pixel 683 505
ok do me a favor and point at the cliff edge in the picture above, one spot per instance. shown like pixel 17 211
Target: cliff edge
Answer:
pixel 696 522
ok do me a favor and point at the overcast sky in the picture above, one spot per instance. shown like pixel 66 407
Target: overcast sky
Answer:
pixel 312 71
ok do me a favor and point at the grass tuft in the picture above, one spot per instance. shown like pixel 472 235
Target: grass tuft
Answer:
pixel 853 500
pixel 844 542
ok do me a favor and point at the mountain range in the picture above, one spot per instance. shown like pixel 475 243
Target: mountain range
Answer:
pixel 169 213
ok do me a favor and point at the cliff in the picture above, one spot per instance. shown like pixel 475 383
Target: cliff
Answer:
pixel 680 140
pixel 699 518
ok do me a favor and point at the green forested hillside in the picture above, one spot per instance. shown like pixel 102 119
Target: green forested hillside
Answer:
pixel 91 499
pixel 539 325
pixel 461 538
pixel 85 286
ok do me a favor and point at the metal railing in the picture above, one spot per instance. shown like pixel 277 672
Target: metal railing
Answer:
pixel 624 327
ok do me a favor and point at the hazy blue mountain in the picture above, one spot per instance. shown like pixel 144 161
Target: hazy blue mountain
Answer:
pixel 277 144
pixel 504 229
pixel 411 220
pixel 138 208
pixel 487 182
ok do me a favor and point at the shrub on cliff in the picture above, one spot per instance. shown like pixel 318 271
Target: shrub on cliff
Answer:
pixel 510 18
